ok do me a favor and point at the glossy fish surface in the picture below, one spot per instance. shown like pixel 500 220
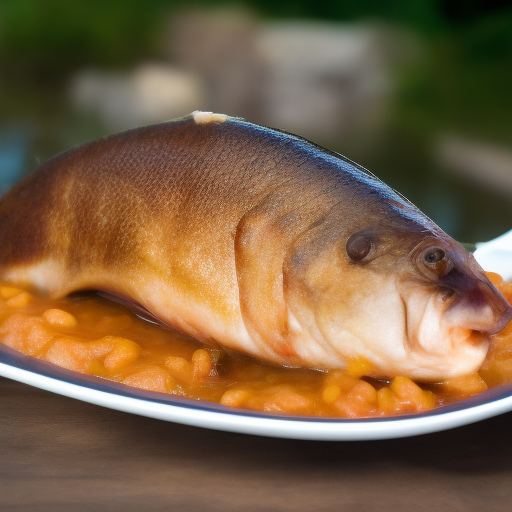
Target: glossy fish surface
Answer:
pixel 255 240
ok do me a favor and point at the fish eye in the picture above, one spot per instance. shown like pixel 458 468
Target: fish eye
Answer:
pixel 434 255
pixel 359 246
pixel 437 260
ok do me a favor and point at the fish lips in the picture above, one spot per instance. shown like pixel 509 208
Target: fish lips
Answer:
pixel 477 304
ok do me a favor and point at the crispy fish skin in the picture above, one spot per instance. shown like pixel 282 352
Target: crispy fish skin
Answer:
pixel 239 235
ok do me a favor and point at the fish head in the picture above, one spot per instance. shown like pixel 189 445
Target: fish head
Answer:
pixel 411 301
pixel 451 307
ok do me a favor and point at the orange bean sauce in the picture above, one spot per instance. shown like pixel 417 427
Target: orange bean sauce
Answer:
pixel 91 335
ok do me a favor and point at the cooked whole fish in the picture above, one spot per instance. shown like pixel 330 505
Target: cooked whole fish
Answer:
pixel 255 240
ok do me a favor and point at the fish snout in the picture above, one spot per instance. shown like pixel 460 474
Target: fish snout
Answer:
pixel 482 308
pixel 501 310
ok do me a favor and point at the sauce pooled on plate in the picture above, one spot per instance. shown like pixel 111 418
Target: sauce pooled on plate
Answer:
pixel 91 335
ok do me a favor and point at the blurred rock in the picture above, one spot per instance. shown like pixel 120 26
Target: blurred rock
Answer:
pixel 477 161
pixel 323 78
pixel 311 78
pixel 152 93
pixel 221 46
pixel 320 80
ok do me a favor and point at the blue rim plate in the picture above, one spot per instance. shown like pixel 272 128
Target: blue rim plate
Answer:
pixel 96 390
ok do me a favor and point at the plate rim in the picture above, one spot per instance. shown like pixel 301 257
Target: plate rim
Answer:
pixel 99 391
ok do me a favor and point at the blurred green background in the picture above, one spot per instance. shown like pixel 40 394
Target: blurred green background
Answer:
pixel 418 91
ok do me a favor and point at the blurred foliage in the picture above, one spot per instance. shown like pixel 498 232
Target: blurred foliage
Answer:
pixel 44 40
pixel 462 80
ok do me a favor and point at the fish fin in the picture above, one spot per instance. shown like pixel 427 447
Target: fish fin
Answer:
pixel 261 241
pixel 137 308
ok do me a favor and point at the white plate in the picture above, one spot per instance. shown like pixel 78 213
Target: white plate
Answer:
pixel 495 256
pixel 203 414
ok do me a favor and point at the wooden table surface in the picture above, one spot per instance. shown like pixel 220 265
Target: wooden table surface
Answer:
pixel 60 454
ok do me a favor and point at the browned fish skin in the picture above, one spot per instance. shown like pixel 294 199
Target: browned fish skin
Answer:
pixel 201 224
pixel 190 177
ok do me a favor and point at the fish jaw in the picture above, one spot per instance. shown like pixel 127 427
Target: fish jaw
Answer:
pixel 440 346
pixel 449 323
pixel 483 308
pixel 407 334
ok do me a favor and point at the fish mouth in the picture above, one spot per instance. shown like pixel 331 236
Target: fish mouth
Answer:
pixel 448 333
pixel 438 324
pixel 451 312
pixel 482 308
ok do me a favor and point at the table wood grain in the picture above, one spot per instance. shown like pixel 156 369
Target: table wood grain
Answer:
pixel 60 454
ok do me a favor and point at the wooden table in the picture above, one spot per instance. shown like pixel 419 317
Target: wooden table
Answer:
pixel 59 454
